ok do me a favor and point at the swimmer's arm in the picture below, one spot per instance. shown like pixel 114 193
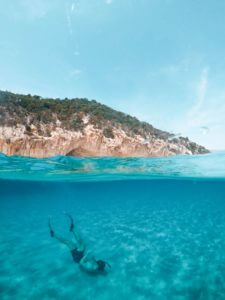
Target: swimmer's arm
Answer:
pixel 89 263
pixel 87 257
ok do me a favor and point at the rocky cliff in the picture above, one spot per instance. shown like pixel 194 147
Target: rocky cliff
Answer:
pixel 32 126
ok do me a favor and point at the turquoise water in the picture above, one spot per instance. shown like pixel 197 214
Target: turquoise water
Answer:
pixel 160 223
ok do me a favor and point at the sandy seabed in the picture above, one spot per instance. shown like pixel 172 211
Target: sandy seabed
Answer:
pixel 165 239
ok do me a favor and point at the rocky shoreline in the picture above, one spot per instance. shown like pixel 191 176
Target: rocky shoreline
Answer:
pixel 37 127
pixel 90 142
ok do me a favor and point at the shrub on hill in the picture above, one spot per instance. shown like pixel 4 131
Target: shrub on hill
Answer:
pixel 24 109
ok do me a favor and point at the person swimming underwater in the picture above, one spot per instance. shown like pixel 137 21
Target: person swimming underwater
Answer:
pixel 78 251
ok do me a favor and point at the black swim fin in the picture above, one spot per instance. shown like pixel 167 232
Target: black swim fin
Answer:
pixel 50 228
pixel 71 222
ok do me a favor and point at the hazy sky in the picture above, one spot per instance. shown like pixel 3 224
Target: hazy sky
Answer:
pixel 160 60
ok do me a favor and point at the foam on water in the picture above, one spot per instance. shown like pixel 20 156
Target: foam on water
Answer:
pixel 164 239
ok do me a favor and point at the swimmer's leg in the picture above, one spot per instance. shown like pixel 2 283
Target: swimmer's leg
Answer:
pixel 66 242
pixel 52 233
pixel 62 240
pixel 77 237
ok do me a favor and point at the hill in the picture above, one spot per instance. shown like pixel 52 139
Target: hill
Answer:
pixel 39 127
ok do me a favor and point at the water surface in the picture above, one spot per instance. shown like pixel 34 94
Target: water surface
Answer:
pixel 160 223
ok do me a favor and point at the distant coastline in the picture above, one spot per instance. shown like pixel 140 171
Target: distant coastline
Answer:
pixel 39 127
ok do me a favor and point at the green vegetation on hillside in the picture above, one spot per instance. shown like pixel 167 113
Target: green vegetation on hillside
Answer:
pixel 26 109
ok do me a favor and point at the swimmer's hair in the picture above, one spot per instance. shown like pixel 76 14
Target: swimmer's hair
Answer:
pixel 102 264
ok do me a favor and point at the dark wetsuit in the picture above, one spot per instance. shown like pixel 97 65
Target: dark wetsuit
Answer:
pixel 77 255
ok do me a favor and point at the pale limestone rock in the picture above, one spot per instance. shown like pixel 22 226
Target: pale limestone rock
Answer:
pixel 90 142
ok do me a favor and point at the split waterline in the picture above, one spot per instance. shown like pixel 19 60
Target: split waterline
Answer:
pixel 160 223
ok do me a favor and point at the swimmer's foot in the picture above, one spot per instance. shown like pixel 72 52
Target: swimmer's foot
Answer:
pixel 50 228
pixel 71 222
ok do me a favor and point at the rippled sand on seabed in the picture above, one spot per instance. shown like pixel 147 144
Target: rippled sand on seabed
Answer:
pixel 165 239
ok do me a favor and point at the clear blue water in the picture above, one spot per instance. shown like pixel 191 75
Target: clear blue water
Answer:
pixel 160 223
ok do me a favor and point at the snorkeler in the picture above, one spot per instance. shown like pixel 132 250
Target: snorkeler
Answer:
pixel 77 248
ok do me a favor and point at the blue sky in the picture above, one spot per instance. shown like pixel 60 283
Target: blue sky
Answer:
pixel 160 60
